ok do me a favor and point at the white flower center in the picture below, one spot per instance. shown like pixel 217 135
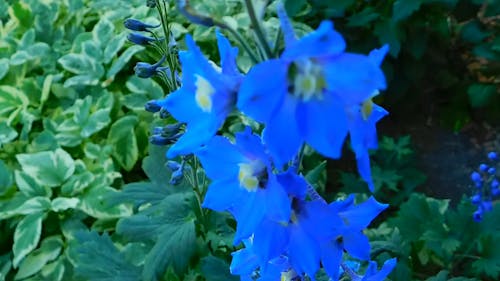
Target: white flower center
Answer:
pixel 204 93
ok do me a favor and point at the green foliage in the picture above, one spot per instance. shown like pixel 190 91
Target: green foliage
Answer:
pixel 434 241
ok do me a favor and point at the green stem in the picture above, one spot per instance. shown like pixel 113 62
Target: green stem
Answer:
pixel 258 30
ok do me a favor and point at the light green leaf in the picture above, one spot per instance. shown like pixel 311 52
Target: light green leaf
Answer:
pixel 77 63
pixel 4 67
pixel 28 186
pixel 26 237
pixel 49 250
pixel 122 137
pixel 103 31
pixel 49 168
pixel 12 101
pixel 22 12
pixel 94 203
pixel 80 80
pixel 122 60
pixel 92 50
pixel 54 271
pixel 113 46
pixel 47 83
pixel 77 183
pixel 7 133
pixel 20 205
pixel 62 204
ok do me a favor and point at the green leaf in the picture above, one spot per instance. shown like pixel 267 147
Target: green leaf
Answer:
pixel 62 204
pixel 363 18
pixel 216 269
pixel 473 32
pixel 28 185
pixel 122 60
pixel 317 176
pixel 145 87
pixel 49 250
pixel 402 9
pixel 7 133
pixel 26 237
pixel 49 168
pixel 103 31
pixel 97 259
pixel 22 12
pixel 293 7
pixel 480 94
pixel 77 63
pixel 94 202
pixel 92 50
pixel 122 138
pixel 54 271
pixel 81 80
pixel 4 67
pixel 113 46
pixel 5 178
pixel 389 32
pixel 20 205
pixel 12 101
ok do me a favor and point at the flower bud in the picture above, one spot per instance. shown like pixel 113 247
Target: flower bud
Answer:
pixel 137 25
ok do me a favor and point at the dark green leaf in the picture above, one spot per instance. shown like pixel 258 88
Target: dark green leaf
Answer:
pixel 405 8
pixel 480 94
pixel 215 269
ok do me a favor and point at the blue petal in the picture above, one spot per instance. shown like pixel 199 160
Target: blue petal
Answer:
pixel 319 220
pixel 281 135
pixel 270 240
pixel 353 77
pixel 331 255
pixel 373 275
pixel 323 124
pixel 220 159
pixel 286 25
pixel 228 55
pixel 223 195
pixel 363 133
pixel 249 214
pixel 364 170
pixel 277 202
pixel 244 262
pixel 295 185
pixel 324 41
pixel 251 145
pixel 377 55
pixel 359 216
pixel 263 90
pixel 304 251
pixel 196 134
pixel 182 104
pixel 357 245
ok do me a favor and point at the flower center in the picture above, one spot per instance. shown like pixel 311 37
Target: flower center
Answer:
pixel 251 175
pixel 307 80
pixel 204 93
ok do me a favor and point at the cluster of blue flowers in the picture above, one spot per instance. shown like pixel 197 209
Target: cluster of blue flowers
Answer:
pixel 314 94
pixel 487 186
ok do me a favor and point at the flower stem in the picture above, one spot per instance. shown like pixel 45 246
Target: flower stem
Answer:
pixel 258 30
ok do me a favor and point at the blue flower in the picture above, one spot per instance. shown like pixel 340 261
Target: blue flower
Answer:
pixel 316 93
pixel 243 183
pixel 146 70
pixel 207 95
pixel 354 219
pixel 139 39
pixel 137 25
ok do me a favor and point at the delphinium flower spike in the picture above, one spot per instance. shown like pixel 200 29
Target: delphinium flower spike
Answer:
pixel 207 95
pixel 486 186
pixel 320 93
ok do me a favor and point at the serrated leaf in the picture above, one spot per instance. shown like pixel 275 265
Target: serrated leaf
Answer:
pixel 175 247
pixel 62 204
pixel 216 269
pixel 123 140
pixel 26 237
pixel 122 60
pixel 49 250
pixel 97 259
pixel 402 9
pixel 49 168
